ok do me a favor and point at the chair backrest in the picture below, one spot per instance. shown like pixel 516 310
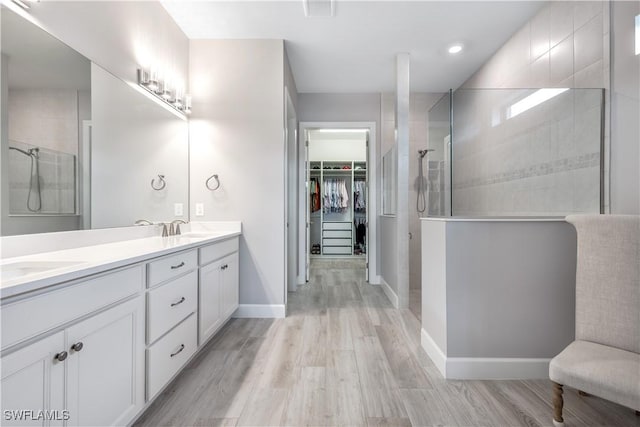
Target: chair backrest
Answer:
pixel 608 280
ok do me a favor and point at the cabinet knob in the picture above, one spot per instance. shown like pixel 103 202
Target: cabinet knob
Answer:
pixel 77 346
pixel 60 357
pixel 178 303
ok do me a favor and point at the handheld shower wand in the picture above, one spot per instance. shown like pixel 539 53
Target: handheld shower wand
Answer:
pixel 421 202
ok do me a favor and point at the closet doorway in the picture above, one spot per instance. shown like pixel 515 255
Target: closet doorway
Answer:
pixel 338 194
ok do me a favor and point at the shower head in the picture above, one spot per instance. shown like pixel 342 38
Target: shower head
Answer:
pixel 32 152
pixel 423 153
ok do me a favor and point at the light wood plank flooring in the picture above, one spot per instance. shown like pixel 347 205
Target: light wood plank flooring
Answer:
pixel 345 357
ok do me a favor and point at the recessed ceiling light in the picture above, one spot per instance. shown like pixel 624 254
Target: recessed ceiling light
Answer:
pixel 455 48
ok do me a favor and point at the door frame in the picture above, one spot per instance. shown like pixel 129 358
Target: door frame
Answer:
pixel 372 208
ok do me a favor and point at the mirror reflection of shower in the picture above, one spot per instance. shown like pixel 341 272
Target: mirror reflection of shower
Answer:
pixel 421 202
pixel 34 181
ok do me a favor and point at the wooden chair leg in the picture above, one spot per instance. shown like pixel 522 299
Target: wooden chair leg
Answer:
pixel 584 394
pixel 558 403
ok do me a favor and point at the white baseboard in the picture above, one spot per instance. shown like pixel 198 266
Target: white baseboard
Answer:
pixel 484 368
pixel 275 311
pixel 389 292
pixel 374 280
pixel 434 352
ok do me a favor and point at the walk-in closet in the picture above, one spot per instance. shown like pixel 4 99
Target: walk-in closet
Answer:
pixel 338 190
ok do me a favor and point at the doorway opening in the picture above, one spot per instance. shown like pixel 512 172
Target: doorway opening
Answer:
pixel 339 201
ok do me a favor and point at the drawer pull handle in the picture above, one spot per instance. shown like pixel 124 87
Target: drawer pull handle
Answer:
pixel 178 303
pixel 173 267
pixel 77 346
pixel 60 357
pixel 179 351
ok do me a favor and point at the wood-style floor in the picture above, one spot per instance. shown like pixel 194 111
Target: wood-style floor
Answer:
pixel 345 357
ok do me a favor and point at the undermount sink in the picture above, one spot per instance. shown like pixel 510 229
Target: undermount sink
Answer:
pixel 25 268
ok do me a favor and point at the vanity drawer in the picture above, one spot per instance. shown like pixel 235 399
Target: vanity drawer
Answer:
pixel 336 242
pixel 31 316
pixel 218 250
pixel 336 226
pixel 345 234
pixel 171 266
pixel 336 250
pixel 169 354
pixel 168 304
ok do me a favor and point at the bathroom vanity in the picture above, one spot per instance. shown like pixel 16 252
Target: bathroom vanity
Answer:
pixel 92 334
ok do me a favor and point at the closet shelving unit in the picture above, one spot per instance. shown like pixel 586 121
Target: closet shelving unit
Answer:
pixel 335 233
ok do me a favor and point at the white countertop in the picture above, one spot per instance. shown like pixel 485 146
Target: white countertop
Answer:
pixel 94 259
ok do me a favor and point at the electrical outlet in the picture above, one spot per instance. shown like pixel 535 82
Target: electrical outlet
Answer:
pixel 178 209
pixel 199 209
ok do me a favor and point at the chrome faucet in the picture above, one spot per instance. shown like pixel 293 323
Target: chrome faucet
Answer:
pixel 143 222
pixel 174 229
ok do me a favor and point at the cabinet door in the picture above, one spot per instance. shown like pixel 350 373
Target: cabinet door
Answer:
pixel 106 375
pixel 209 309
pixel 231 284
pixel 33 380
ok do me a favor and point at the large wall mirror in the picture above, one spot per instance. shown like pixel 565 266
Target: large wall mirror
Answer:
pixel 80 147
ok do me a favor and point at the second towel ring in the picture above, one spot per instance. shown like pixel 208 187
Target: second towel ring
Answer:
pixel 162 184
pixel 214 176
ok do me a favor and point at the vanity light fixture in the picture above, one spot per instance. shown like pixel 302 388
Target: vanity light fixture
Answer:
pixel 175 98
pixel 456 48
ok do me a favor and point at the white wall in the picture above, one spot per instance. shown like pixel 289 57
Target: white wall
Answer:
pixel 337 149
pixel 236 131
pixel 119 36
pixel 133 140
pixel 625 110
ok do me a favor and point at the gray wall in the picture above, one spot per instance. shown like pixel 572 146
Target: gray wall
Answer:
pixel 510 287
pixel 236 131
pixel 625 110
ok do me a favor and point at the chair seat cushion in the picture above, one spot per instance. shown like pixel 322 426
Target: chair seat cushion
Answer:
pixel 597 369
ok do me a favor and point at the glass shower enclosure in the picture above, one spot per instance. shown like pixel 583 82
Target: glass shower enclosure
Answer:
pixel 516 152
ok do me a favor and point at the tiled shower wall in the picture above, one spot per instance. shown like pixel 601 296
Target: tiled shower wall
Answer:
pixel 565 45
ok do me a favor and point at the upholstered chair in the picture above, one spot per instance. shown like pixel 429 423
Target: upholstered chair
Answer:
pixel 604 359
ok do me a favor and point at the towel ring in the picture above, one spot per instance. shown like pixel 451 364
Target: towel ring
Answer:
pixel 214 176
pixel 162 184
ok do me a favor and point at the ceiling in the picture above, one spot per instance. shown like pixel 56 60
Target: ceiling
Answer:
pixel 37 60
pixel 354 50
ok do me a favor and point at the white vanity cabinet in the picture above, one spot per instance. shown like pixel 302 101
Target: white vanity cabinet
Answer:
pixel 93 368
pixel 172 331
pixel 32 378
pixel 96 350
pixel 219 285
